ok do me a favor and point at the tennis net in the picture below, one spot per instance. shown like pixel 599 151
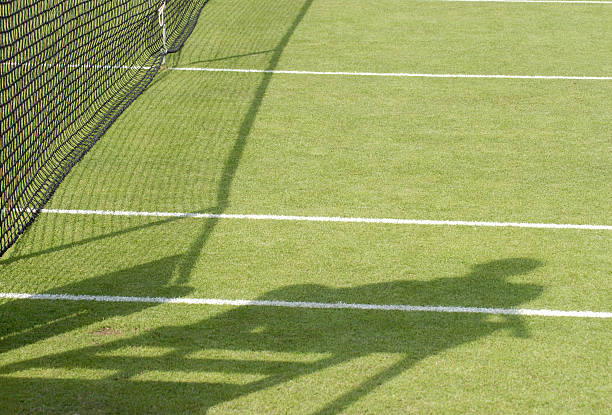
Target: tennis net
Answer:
pixel 67 70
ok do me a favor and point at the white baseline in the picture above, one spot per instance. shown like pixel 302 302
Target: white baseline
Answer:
pixel 395 74
pixel 324 219
pixel 306 304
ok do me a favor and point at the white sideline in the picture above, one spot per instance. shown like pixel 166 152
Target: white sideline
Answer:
pixel 327 219
pixel 394 74
pixel 304 304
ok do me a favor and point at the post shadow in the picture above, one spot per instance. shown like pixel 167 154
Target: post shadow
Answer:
pixel 338 336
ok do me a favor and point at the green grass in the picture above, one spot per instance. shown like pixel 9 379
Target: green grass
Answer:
pixel 488 149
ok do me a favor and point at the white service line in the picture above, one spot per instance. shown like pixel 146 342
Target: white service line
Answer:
pixel 396 74
pixel 338 73
pixel 327 219
pixel 306 304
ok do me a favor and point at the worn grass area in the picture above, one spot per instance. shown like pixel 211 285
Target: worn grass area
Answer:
pixel 499 150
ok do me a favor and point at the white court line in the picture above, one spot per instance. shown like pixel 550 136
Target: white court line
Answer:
pixel 397 74
pixel 326 219
pixel 304 304
pixel 339 73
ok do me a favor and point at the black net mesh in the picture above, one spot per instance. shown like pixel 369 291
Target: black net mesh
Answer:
pixel 67 70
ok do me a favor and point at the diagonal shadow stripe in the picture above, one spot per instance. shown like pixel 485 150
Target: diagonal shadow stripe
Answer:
pixel 232 162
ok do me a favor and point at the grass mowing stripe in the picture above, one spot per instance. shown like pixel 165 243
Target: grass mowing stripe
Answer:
pixel 529 1
pixel 328 219
pixel 308 304
pixel 395 74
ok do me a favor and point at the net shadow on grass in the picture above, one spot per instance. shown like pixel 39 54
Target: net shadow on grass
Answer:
pixel 243 55
pixel 14 254
pixel 267 345
pixel 228 169
pixel 233 160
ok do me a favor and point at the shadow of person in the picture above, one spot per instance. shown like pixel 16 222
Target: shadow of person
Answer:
pixel 218 344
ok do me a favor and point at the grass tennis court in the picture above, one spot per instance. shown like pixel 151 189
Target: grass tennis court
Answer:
pixel 530 151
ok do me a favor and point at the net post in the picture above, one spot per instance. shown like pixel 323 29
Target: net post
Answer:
pixel 162 24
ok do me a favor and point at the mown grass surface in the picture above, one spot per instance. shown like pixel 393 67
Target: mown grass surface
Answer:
pixel 503 150
pixel 174 359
